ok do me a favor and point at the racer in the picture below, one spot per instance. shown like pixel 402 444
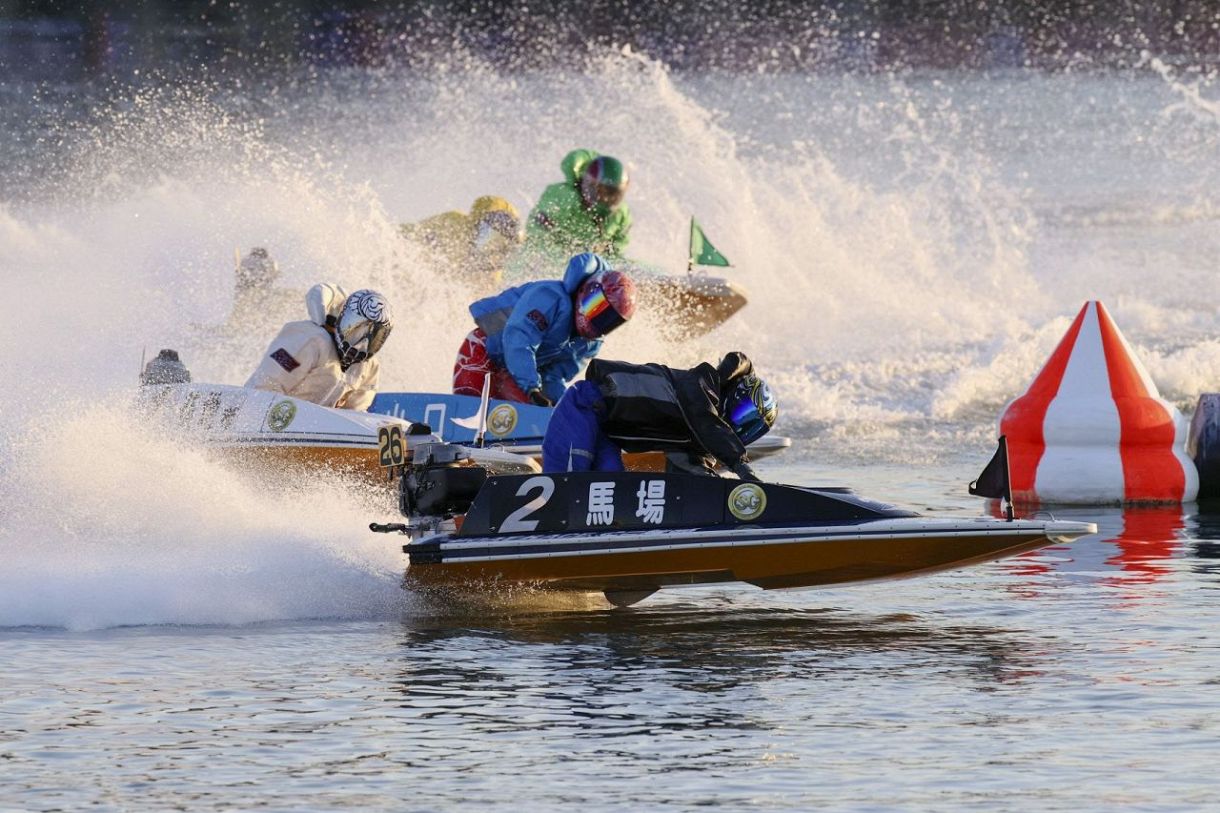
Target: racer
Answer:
pixel 256 292
pixel 698 417
pixel 329 358
pixel 477 244
pixel 166 368
pixel 256 272
pixel 585 212
pixel 534 338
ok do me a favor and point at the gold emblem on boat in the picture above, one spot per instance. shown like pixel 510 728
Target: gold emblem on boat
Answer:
pixel 502 420
pixel 747 501
pixel 280 416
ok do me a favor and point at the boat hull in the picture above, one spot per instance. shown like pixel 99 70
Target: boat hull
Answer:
pixel 281 439
pixel 770 558
pixel 694 304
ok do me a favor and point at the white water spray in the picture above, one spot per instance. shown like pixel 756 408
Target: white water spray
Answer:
pixel 912 247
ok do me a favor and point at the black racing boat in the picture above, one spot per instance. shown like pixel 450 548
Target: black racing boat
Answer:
pixel 629 534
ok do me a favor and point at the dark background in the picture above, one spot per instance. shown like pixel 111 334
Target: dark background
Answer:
pixel 40 38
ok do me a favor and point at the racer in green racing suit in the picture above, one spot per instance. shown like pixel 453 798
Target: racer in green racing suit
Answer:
pixel 584 213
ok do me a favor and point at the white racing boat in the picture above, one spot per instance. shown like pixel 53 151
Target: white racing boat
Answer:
pixel 274 433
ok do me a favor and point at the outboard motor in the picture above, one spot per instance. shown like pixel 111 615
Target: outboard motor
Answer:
pixel 436 486
pixel 1203 444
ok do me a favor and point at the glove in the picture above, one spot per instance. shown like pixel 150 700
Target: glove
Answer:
pixel 538 399
pixel 742 469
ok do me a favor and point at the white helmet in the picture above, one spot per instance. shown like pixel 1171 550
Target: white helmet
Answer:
pixel 363 325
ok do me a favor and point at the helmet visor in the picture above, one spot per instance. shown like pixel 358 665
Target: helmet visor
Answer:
pixel 495 225
pixel 362 338
pixel 746 420
pixel 597 311
pixel 610 195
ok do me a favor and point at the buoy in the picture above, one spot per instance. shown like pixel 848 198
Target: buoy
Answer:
pixel 1092 428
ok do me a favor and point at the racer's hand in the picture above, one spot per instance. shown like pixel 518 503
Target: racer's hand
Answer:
pixel 538 399
pixel 742 469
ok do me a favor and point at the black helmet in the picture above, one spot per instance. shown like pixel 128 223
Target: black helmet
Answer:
pixel 257 270
pixel 166 368
pixel 750 408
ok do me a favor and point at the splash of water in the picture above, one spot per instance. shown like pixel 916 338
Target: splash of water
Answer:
pixel 841 270
pixel 106 522
pixel 913 248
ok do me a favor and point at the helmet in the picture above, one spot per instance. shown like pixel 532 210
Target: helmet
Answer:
pixel 257 270
pixel 603 302
pixel 497 230
pixel 750 408
pixel 166 368
pixel 495 221
pixel 604 183
pixel 363 325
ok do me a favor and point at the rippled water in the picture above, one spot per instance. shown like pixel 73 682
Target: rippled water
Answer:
pixel 1083 676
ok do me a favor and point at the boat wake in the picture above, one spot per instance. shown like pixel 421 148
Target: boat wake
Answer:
pixel 107 523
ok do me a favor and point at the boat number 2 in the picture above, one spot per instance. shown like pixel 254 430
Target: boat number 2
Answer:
pixel 516 521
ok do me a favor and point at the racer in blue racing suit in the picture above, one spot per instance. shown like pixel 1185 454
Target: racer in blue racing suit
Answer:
pixel 533 338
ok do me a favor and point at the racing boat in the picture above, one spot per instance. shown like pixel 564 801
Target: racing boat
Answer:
pixel 513 427
pixel 693 304
pixel 1203 444
pixel 271 433
pixel 627 535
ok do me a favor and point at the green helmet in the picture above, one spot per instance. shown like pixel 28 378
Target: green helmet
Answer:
pixel 604 183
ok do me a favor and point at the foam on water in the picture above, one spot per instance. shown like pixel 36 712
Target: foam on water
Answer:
pixel 913 249
pixel 106 523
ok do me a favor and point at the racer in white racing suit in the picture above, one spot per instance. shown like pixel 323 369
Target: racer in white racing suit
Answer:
pixel 328 359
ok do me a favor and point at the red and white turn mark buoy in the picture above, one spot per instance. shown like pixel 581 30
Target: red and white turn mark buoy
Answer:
pixel 1092 428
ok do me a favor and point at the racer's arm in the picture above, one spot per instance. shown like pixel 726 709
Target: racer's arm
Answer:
pixel 719 438
pixel 532 316
pixel 702 414
pixel 622 234
pixel 557 374
pixel 550 211
pixel 289 358
pixel 689 462
pixel 361 396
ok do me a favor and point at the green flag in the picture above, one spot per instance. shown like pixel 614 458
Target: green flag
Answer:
pixel 702 252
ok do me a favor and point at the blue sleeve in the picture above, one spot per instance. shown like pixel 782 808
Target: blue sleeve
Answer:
pixel 584 350
pixel 553 384
pixel 557 374
pixel 533 314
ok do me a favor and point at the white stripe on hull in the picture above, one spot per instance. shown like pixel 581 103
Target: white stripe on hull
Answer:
pixel 1081 461
pixel 881 530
